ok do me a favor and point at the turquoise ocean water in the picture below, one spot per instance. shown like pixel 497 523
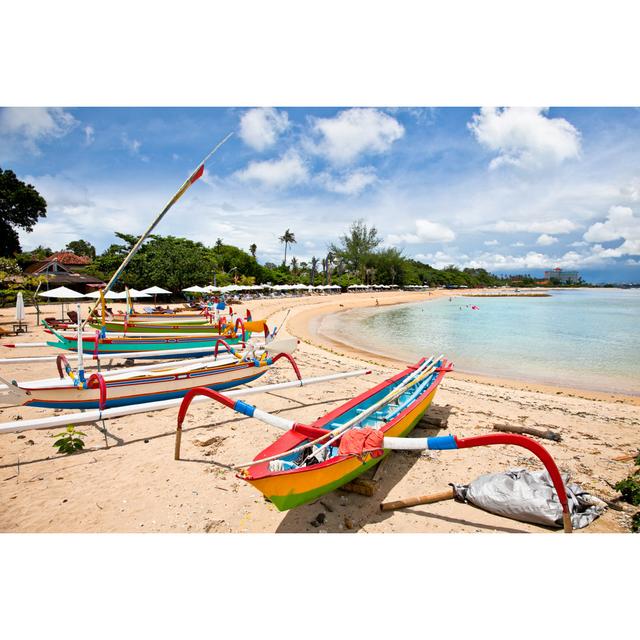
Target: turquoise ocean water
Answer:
pixel 588 339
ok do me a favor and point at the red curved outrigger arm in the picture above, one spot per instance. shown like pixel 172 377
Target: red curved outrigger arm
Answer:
pixel 60 360
pixel 244 333
pixel 535 448
pixel 96 379
pixel 214 395
pixel 225 343
pixel 291 360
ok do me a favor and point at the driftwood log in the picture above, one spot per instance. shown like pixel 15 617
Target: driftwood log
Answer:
pixel 412 502
pixel 547 435
pixel 626 458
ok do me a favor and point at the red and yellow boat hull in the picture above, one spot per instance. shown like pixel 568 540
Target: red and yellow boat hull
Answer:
pixel 295 487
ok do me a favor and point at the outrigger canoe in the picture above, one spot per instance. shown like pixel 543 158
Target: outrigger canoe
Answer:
pixel 294 475
pixel 96 345
pixel 219 329
pixel 150 383
pixel 309 461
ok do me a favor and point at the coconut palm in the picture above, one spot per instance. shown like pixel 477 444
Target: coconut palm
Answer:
pixel 288 238
pixel 314 269
pixel 253 248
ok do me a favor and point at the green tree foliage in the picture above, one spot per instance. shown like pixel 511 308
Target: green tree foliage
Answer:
pixel 20 206
pixel 387 266
pixel 82 248
pixel 27 258
pixel 356 245
pixel 169 262
pixel 253 248
pixel 9 267
pixel 287 238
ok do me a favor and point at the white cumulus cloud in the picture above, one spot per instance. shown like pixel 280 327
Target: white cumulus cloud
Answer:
pixel 260 128
pixel 491 243
pixel 285 171
pixel 525 137
pixel 620 224
pixel 540 226
pixel 425 231
pixel 354 132
pixel 351 183
pixel 545 240
pixel 29 126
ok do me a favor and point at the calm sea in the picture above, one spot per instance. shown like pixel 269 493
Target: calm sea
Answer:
pixel 588 339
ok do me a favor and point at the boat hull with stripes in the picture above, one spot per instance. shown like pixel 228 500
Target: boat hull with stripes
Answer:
pixel 294 487
pixel 135 344
pixel 211 330
pixel 124 389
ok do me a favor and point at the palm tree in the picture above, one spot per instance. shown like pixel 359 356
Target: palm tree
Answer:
pixel 330 259
pixel 288 238
pixel 314 269
pixel 294 266
pixel 253 248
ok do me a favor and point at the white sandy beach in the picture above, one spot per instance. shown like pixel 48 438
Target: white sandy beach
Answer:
pixel 134 484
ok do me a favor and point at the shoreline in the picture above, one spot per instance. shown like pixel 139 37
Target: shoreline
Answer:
pixel 306 326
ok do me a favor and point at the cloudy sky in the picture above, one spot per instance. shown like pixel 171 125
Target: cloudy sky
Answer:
pixel 513 190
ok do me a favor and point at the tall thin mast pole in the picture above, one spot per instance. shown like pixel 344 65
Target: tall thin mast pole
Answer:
pixel 197 173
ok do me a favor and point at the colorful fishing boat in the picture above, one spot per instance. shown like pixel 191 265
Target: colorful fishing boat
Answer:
pixel 149 383
pixel 221 328
pixel 291 472
pixel 308 461
pixel 99 344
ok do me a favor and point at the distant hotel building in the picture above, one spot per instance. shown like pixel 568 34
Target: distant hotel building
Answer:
pixel 565 277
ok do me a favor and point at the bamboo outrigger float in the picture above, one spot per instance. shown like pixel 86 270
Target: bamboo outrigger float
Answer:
pixel 99 415
pixel 309 461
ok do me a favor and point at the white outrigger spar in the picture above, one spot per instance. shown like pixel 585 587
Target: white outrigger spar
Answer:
pixel 96 415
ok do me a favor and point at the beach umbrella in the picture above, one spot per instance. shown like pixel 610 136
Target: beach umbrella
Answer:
pixel 20 314
pixel 134 293
pixel 229 288
pixel 110 295
pixel 195 289
pixel 155 291
pixel 62 293
pixel 211 289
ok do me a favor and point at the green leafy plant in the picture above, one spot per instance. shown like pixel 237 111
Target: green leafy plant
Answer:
pixel 630 489
pixel 69 441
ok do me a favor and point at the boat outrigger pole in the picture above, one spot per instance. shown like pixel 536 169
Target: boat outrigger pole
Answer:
pixel 197 173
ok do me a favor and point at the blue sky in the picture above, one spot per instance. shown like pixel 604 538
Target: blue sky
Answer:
pixel 514 190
